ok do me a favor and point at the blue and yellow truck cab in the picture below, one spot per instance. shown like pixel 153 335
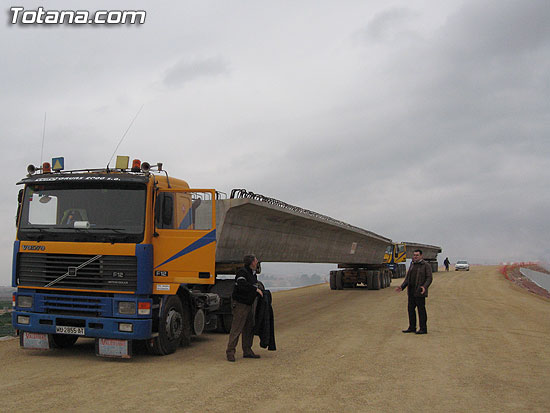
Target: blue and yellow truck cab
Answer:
pixel 118 255
pixel 395 257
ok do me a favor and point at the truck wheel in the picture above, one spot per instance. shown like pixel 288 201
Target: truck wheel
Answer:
pixel 63 340
pixel 370 279
pixel 332 281
pixel 224 323
pixel 339 282
pixel 174 327
pixel 376 280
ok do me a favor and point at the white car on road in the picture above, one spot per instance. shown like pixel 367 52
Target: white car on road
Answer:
pixel 462 266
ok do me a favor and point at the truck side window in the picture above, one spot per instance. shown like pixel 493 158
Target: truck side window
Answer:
pixel 164 211
pixel 184 211
pixel 194 211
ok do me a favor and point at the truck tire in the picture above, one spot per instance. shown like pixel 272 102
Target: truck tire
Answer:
pixel 219 324
pixel 370 279
pixel 339 281
pixel 174 327
pixel 402 270
pixel 332 280
pixel 376 280
pixel 224 323
pixel 386 278
pixel 63 340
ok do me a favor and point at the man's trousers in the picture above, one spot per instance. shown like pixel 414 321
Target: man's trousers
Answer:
pixel 242 324
pixel 420 303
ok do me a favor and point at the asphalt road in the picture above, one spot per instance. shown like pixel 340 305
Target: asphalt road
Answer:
pixel 487 350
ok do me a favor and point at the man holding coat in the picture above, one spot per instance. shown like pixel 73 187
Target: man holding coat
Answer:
pixel 245 292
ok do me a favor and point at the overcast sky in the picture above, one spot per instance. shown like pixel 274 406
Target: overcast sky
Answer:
pixel 422 121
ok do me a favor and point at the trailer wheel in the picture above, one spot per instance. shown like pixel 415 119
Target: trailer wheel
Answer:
pixel 63 340
pixel 174 327
pixel 332 281
pixel 376 280
pixel 370 279
pixel 339 282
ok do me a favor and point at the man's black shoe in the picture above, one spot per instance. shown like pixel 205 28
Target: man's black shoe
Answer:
pixel 251 356
pixel 422 332
pixel 409 330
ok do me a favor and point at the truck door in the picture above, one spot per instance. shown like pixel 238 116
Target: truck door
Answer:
pixel 400 253
pixel 185 239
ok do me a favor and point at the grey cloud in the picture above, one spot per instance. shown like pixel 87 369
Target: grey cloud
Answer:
pixel 388 24
pixel 439 137
pixel 484 30
pixel 188 70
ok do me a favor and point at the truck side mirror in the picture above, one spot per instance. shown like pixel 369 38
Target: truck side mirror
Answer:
pixel 19 201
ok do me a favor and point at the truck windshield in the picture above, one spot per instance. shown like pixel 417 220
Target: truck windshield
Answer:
pixel 103 212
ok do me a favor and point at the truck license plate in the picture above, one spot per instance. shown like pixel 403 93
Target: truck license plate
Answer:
pixel 79 331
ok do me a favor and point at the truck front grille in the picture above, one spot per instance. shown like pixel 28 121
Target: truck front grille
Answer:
pixel 71 305
pixel 109 272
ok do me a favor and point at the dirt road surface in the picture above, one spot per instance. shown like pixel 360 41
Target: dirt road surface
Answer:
pixel 488 349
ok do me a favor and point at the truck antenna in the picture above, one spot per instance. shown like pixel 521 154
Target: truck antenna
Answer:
pixel 124 135
pixel 43 138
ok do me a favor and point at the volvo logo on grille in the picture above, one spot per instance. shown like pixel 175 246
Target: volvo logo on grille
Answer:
pixel 34 248
pixel 71 271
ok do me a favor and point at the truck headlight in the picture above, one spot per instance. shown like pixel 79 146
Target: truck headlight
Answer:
pixel 23 319
pixel 127 307
pixel 126 327
pixel 24 301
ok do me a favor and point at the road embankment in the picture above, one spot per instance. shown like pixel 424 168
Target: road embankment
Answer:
pixel 487 350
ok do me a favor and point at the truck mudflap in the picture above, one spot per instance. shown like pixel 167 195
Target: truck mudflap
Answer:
pixel 113 348
pixel 35 341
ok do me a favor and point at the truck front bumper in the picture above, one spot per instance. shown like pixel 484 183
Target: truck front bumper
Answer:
pixel 97 327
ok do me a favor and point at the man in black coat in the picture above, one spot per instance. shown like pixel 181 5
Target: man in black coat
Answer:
pixel 244 293
pixel 446 263
pixel 417 281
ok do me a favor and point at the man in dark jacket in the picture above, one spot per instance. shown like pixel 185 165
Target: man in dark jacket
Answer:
pixel 417 281
pixel 244 293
